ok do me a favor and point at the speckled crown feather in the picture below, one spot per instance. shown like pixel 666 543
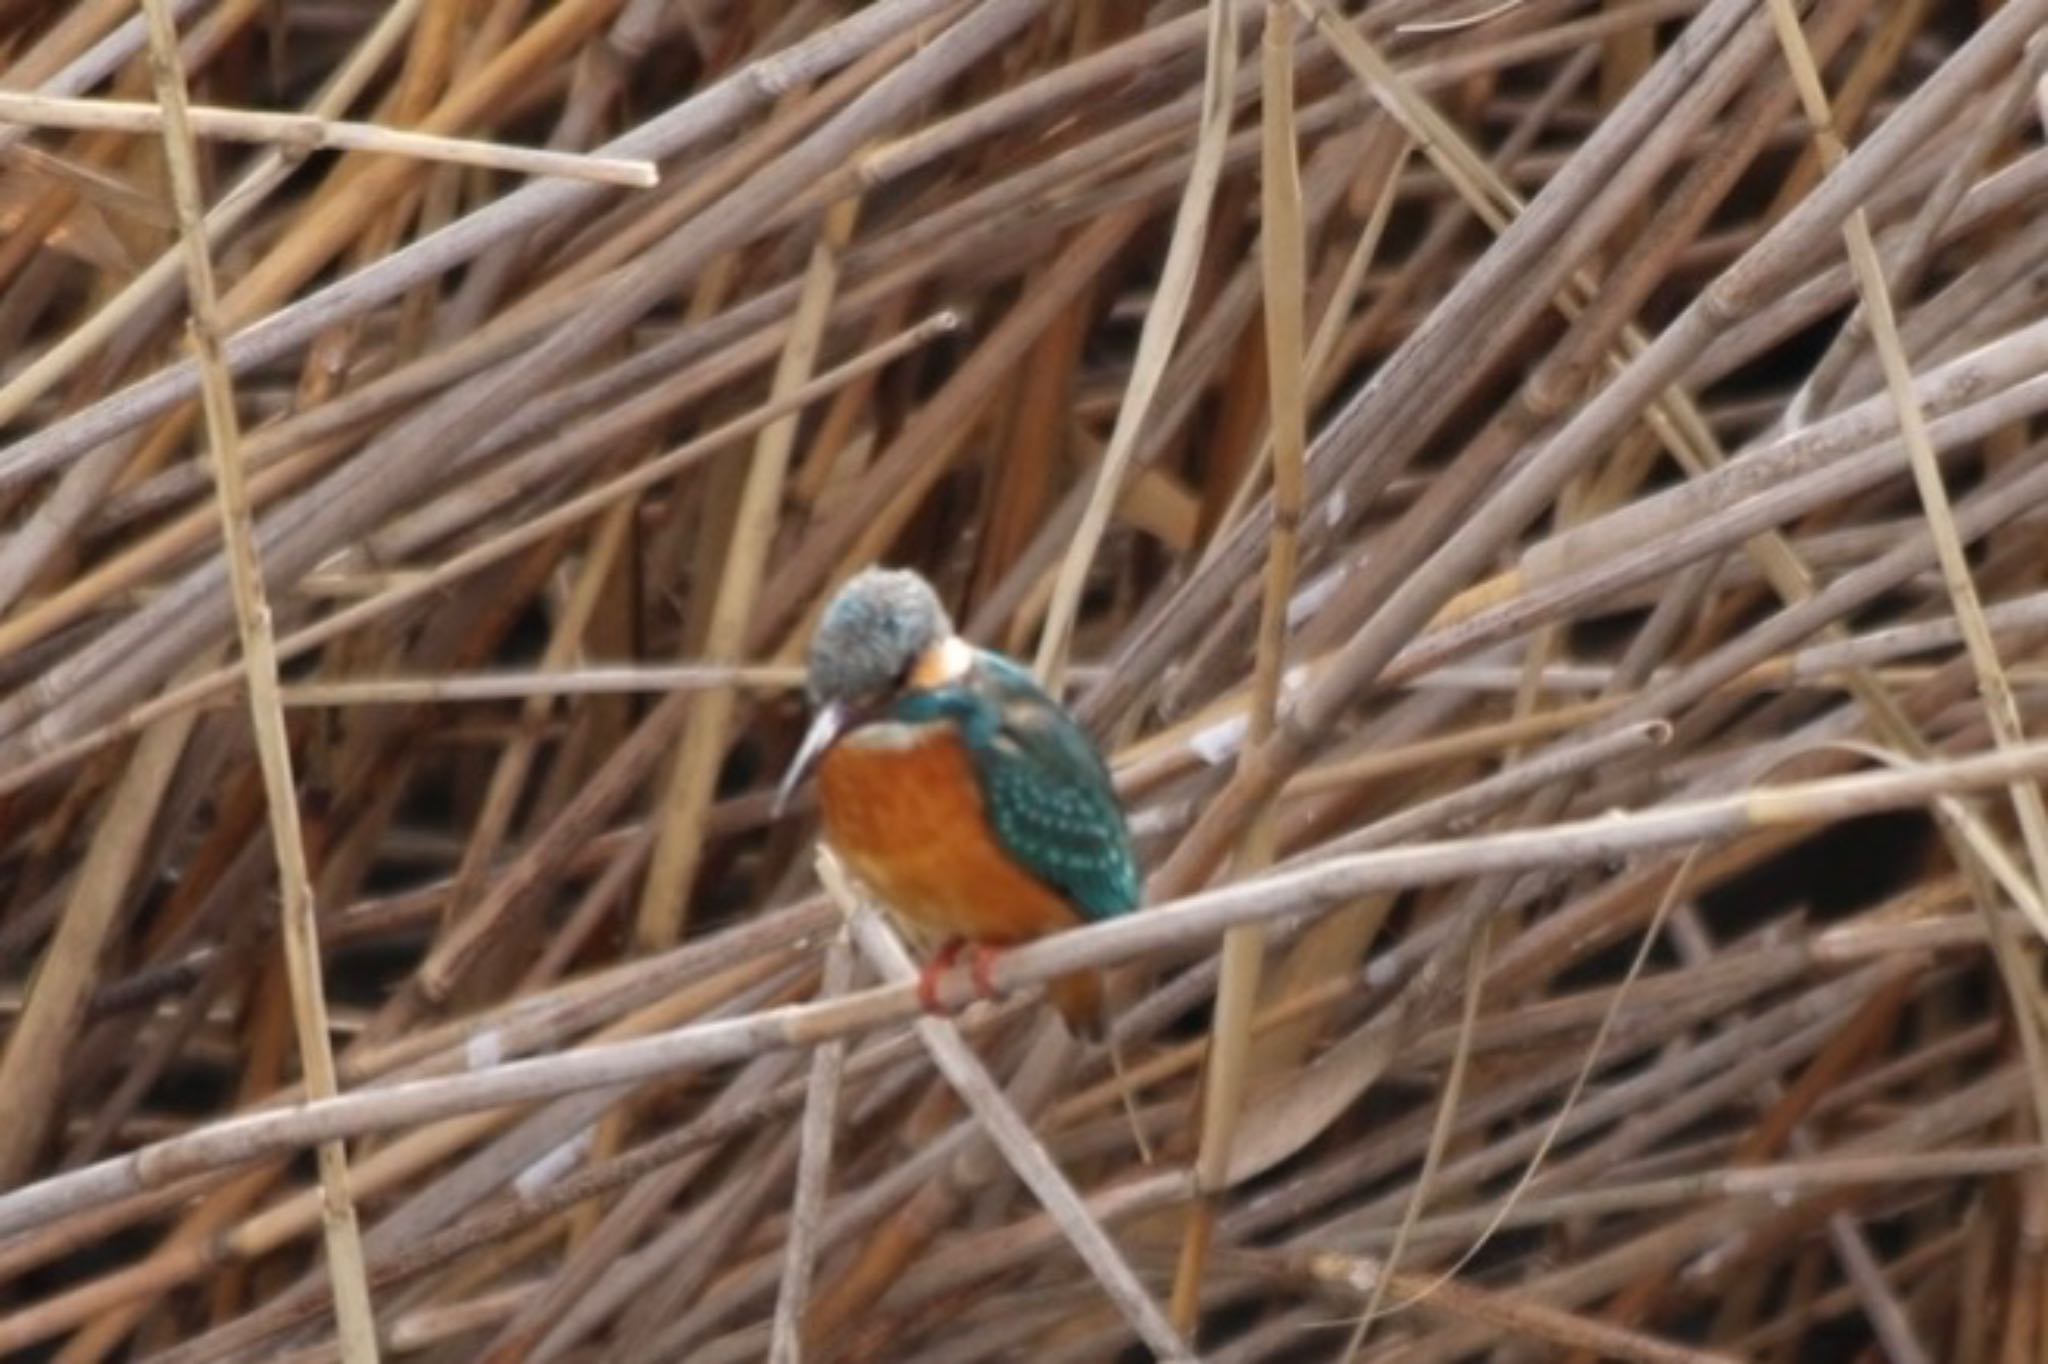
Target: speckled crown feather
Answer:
pixel 880 623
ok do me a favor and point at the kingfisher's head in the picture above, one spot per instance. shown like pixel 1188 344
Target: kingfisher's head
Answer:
pixel 885 633
pixel 872 638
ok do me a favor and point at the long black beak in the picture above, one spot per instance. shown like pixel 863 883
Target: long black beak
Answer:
pixel 826 726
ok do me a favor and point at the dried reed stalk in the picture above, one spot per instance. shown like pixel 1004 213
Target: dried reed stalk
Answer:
pixel 353 1313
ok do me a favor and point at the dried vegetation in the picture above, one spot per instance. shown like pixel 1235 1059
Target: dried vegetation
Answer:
pixel 1542 500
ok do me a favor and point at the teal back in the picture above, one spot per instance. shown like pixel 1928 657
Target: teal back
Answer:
pixel 1047 793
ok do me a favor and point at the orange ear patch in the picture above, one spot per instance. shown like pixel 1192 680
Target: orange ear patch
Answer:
pixel 944 662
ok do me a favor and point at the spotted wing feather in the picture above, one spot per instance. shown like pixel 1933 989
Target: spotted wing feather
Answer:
pixel 1046 791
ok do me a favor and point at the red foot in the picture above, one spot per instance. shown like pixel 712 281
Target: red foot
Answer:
pixel 981 965
pixel 928 978
pixel 981 960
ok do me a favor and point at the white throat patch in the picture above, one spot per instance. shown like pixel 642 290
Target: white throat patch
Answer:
pixel 948 661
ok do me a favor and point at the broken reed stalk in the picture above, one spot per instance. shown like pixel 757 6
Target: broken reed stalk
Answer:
pixel 303 133
pixel 353 1313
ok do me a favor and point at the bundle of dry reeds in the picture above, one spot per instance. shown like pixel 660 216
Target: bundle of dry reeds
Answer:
pixel 1540 499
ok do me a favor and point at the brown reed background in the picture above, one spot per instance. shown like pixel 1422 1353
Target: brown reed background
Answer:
pixel 1551 541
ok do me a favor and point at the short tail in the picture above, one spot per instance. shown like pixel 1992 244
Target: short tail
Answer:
pixel 1079 1000
pixel 1082 1001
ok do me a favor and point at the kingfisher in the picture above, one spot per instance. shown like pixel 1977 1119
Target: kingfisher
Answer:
pixel 969 801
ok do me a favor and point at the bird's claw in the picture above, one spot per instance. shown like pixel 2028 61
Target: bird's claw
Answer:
pixel 980 969
pixel 981 965
pixel 928 979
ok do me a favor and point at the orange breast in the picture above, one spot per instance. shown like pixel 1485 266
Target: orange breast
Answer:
pixel 909 822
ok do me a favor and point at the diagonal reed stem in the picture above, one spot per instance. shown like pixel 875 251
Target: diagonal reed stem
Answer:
pixel 352 1307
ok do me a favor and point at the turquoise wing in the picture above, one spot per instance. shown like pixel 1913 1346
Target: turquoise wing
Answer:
pixel 1048 794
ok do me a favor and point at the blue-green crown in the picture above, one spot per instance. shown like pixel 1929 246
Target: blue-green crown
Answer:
pixel 872 634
